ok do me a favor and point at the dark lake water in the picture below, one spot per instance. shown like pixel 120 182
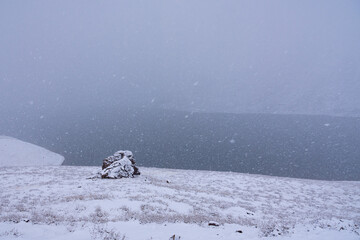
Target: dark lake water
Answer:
pixel 301 146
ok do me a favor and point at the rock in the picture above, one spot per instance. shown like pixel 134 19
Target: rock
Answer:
pixel 120 165
pixel 239 231
pixel 215 224
pixel 173 237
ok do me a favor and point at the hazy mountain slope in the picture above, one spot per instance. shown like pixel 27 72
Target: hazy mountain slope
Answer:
pixel 62 203
pixel 234 56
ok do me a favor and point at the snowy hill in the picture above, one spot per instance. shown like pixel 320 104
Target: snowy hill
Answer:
pixel 14 152
pixel 64 203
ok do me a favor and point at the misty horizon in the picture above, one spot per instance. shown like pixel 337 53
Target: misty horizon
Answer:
pixel 233 56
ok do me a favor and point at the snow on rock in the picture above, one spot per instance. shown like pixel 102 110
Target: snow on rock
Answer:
pixel 14 152
pixel 120 165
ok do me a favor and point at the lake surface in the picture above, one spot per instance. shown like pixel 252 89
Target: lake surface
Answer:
pixel 301 146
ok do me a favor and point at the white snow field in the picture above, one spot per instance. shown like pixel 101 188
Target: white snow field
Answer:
pixel 14 152
pixel 62 202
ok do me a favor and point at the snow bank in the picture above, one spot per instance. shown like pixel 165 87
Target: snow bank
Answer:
pixel 14 152
pixel 62 203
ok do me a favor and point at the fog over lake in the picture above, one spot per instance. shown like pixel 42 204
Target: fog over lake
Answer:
pixel 268 87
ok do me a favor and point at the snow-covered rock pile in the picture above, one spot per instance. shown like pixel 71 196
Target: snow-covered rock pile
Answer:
pixel 119 165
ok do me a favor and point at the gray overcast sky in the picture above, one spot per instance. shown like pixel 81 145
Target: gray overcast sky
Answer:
pixel 276 56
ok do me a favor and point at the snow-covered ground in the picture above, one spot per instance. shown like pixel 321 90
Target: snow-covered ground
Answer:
pixel 14 152
pixel 64 203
